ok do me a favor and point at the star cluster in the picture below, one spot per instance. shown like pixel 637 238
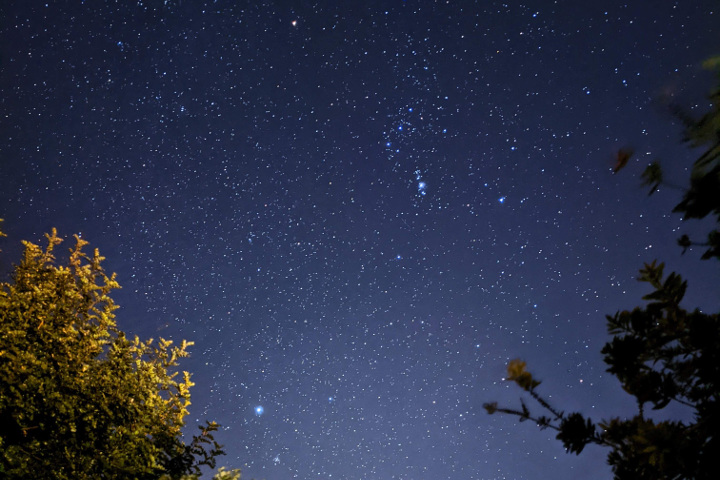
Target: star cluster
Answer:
pixel 360 211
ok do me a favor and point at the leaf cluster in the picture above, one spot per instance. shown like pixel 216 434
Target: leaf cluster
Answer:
pixel 78 399
pixel 663 353
pixel 660 353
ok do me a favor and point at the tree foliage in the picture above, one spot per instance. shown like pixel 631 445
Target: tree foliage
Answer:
pixel 660 352
pixel 702 197
pixel 78 398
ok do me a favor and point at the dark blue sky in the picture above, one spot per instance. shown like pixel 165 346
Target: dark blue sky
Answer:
pixel 360 211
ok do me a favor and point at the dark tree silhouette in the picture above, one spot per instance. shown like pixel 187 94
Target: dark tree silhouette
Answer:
pixel 702 197
pixel 660 352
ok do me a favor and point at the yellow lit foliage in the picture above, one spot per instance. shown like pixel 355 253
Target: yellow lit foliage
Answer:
pixel 78 399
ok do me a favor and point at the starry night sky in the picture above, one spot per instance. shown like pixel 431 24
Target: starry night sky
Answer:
pixel 360 211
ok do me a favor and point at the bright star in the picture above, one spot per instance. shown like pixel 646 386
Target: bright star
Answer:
pixel 421 188
pixel 259 410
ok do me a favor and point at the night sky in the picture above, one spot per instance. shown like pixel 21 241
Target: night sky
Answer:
pixel 361 210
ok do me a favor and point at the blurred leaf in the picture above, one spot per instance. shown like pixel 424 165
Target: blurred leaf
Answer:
pixel 652 176
pixel 576 432
pixel 517 373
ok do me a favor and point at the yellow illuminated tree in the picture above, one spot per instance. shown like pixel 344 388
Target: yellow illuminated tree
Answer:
pixel 78 399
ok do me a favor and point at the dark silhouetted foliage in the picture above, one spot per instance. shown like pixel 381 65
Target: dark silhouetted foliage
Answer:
pixel 660 352
pixel 702 197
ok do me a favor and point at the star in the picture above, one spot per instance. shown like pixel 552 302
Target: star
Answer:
pixel 256 209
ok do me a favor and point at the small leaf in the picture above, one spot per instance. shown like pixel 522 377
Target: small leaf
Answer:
pixel 490 407
pixel 652 176
pixel 518 374
pixel 685 243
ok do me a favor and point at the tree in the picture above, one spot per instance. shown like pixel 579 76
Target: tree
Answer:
pixel 78 399
pixel 701 198
pixel 660 352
